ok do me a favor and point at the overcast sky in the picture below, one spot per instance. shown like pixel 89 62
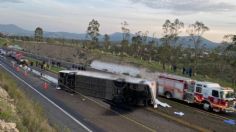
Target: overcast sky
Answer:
pixel 142 15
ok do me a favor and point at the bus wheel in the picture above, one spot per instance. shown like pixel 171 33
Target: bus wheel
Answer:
pixel 131 101
pixel 206 106
pixel 117 100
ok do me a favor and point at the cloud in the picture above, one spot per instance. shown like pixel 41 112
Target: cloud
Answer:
pixel 188 6
pixel 11 1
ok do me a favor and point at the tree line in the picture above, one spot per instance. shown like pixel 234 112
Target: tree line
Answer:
pixel 217 63
pixel 168 51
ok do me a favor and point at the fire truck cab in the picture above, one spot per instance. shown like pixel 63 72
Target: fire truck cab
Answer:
pixel 213 96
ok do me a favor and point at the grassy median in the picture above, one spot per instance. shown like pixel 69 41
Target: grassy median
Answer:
pixel 27 114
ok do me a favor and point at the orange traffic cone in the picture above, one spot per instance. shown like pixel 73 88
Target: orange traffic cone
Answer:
pixel 45 85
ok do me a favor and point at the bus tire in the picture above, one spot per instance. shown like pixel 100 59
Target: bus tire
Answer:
pixel 117 100
pixel 131 101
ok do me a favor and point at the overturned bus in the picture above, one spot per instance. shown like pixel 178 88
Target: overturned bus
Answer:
pixel 117 88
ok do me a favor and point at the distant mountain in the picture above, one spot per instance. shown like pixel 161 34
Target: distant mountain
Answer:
pixel 11 29
pixel 115 37
pixel 186 41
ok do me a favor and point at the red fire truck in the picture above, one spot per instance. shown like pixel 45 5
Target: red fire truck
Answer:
pixel 210 95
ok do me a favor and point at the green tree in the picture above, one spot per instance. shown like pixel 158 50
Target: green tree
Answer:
pixel 231 41
pixel 136 46
pixel 230 55
pixel 170 52
pixel 125 37
pixel 93 32
pixel 150 49
pixel 38 34
pixel 107 42
pixel 195 32
pixel 153 40
pixel 145 37
pixel 125 31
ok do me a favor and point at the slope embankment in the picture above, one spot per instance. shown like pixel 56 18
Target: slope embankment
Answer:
pixel 17 111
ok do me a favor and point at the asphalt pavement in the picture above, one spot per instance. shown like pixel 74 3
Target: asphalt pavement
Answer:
pixel 79 113
pixel 56 112
pixel 100 115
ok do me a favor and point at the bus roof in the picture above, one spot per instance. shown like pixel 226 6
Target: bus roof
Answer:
pixel 108 76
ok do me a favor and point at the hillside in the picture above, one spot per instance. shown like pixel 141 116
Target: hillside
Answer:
pixel 17 111
pixel 11 29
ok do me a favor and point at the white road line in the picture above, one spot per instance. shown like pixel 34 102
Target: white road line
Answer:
pixel 65 112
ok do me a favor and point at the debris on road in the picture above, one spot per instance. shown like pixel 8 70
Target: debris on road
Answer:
pixel 58 88
pixel 165 105
pixel 230 122
pixel 179 113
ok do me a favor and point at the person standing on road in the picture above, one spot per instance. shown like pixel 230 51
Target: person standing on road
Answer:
pixel 184 70
pixel 174 67
pixel 190 72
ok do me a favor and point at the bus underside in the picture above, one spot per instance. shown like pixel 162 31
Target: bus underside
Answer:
pixel 118 91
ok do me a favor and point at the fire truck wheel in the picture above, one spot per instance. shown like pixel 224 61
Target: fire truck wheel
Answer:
pixel 206 106
pixel 168 95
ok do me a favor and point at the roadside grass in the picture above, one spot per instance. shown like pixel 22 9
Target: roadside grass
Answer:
pixel 2 41
pixel 7 112
pixel 29 115
pixel 55 69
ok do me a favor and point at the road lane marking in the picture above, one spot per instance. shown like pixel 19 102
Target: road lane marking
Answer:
pixel 216 116
pixel 182 122
pixel 201 111
pixel 65 112
pixel 99 104
pixel 125 117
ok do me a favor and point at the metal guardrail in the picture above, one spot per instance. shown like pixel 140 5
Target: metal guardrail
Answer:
pixel 62 63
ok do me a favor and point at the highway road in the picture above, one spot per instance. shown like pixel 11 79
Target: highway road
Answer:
pixel 58 116
pixel 79 113
pixel 103 116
